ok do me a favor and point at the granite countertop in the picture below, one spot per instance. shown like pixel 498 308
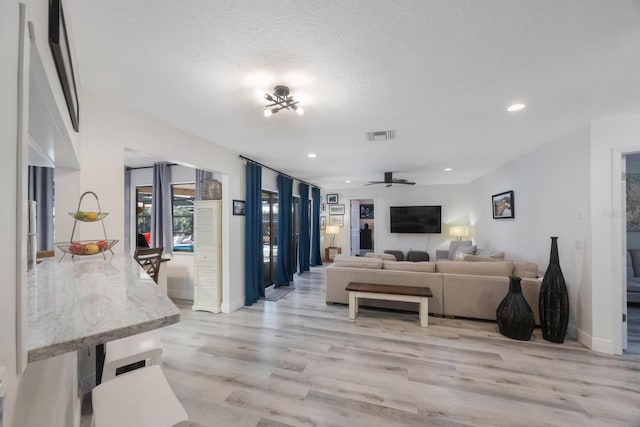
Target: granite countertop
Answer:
pixel 86 301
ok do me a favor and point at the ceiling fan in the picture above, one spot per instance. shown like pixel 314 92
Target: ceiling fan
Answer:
pixel 390 180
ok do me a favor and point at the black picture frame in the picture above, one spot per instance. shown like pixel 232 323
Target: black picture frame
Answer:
pixel 332 199
pixel 239 207
pixel 503 205
pixel 59 44
pixel 366 211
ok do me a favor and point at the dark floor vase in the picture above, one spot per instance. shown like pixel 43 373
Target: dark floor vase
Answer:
pixel 515 317
pixel 554 299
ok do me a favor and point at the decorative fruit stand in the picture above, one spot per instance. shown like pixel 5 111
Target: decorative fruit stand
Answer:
pixel 87 247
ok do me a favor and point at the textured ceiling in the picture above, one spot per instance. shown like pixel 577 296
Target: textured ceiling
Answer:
pixel 440 73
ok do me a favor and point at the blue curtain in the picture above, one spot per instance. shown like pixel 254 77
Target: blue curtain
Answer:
pixel 161 218
pixel 316 258
pixel 127 210
pixel 41 191
pixel 304 240
pixel 284 271
pixel 253 263
pixel 201 176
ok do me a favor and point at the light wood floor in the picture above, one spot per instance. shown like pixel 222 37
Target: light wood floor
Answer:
pixel 303 363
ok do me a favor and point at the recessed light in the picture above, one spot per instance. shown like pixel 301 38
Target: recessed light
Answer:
pixel 448 169
pixel 312 155
pixel 515 107
pixel 347 181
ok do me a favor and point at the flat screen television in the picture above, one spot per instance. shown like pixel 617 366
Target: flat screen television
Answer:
pixel 416 219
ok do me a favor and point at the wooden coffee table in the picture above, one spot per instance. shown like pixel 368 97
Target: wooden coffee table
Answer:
pixel 417 294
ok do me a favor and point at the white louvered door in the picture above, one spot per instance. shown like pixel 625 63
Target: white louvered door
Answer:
pixel 207 295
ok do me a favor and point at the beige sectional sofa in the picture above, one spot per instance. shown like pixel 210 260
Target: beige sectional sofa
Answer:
pixel 459 288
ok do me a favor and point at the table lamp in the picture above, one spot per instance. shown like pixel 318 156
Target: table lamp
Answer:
pixel 332 230
pixel 459 231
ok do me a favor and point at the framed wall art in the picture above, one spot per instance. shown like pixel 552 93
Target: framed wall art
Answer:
pixel 336 210
pixel 59 44
pixel 503 205
pixel 332 199
pixel 336 220
pixel 366 211
pixel 239 207
pixel 323 223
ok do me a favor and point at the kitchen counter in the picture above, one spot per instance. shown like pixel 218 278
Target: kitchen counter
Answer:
pixel 87 301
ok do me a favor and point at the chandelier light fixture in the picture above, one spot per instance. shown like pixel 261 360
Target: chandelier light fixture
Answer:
pixel 279 100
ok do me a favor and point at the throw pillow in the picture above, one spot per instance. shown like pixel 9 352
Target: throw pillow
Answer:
pixel 461 251
pixel 455 245
pixel 635 261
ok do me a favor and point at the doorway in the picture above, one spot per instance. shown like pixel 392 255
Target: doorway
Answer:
pixel 362 226
pixel 269 235
pixel 631 243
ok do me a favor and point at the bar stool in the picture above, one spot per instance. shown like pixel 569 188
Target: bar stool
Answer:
pixel 142 398
pixel 129 353
pixel 136 351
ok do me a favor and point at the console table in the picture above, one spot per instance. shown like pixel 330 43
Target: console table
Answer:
pixel 331 252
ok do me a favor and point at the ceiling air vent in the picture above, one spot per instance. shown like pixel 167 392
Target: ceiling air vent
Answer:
pixel 380 135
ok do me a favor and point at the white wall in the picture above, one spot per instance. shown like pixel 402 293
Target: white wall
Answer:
pixel 609 138
pixel 551 198
pixel 109 128
pixel 44 394
pixel 8 152
pixel 454 199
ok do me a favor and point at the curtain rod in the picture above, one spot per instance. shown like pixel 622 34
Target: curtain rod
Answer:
pixel 277 171
pixel 146 167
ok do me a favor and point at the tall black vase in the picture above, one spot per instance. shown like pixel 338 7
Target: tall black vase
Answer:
pixel 515 317
pixel 554 299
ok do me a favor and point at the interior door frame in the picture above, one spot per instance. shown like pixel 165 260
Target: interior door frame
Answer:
pixel 24 53
pixel 618 248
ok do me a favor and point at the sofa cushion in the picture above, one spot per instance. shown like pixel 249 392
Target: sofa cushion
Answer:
pixel 422 266
pixel 398 254
pixel 525 269
pixel 455 244
pixel 389 257
pixel 498 268
pixel 357 262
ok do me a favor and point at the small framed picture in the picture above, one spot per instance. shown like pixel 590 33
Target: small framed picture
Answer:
pixel 324 207
pixel 503 205
pixel 366 211
pixel 336 220
pixel 323 223
pixel 336 210
pixel 238 207
pixel 332 199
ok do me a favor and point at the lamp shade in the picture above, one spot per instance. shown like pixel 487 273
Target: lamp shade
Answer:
pixel 459 231
pixel 332 229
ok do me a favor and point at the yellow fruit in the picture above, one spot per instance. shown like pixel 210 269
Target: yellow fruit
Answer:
pixel 91 248
pixel 91 216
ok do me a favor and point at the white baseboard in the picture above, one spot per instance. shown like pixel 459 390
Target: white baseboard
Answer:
pixel 180 294
pixel 595 344
pixel 233 306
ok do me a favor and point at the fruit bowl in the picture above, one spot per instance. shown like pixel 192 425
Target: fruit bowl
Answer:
pixel 86 247
pixel 88 216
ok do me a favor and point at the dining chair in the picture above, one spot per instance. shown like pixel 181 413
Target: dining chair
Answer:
pixel 149 259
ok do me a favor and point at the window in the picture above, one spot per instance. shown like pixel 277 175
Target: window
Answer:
pixel 182 198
